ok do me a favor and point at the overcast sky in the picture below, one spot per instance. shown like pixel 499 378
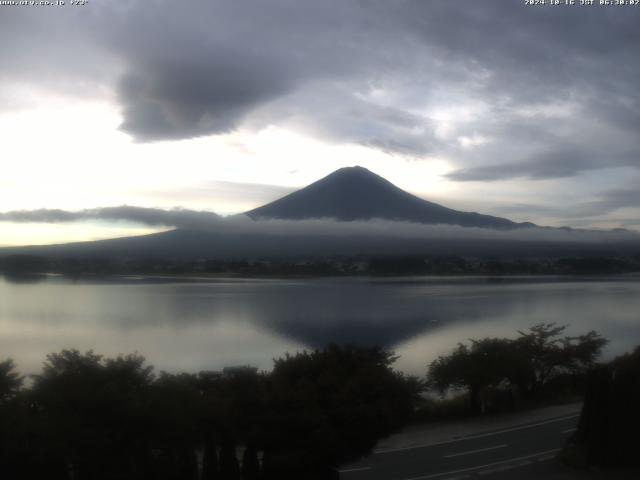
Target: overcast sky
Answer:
pixel 527 112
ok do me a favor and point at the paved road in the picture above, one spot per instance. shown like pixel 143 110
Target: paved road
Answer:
pixel 481 454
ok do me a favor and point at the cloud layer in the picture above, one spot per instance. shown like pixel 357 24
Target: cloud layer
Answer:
pixel 177 217
pixel 550 92
pixel 376 228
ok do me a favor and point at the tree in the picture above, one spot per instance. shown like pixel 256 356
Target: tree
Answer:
pixel 329 407
pixel 175 412
pixel 547 353
pixel 485 362
pixel 91 413
pixel 250 464
pixel 10 380
pixel 13 431
pixel 527 362
pixel 229 466
pixel 607 433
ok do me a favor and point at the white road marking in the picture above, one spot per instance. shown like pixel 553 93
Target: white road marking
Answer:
pixel 495 470
pixel 360 469
pixel 472 437
pixel 474 451
pixel 469 469
pixel 569 430
pixel 545 458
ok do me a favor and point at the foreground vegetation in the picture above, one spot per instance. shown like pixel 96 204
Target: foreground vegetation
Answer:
pixel 85 416
pixel 607 434
pixel 497 373
pixel 89 417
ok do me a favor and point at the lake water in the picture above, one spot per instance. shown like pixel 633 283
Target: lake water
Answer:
pixel 189 325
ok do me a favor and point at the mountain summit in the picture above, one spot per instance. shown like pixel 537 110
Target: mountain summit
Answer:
pixel 355 193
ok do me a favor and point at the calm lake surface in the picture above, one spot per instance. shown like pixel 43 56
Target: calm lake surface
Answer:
pixel 192 324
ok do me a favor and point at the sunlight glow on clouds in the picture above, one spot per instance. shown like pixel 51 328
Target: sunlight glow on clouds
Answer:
pixel 73 157
pixel 16 234
pixel 227 105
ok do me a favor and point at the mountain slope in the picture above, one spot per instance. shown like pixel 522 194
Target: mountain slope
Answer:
pixel 355 193
pixel 193 244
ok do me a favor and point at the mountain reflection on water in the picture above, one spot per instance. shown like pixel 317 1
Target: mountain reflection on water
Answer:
pixel 193 324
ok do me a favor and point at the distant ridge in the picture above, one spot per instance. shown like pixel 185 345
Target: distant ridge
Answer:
pixel 355 193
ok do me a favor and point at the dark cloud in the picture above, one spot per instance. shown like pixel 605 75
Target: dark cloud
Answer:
pixel 621 198
pixel 332 114
pixel 612 200
pixel 603 206
pixel 181 98
pixel 181 218
pixel 555 88
pixel 553 164
pixel 200 70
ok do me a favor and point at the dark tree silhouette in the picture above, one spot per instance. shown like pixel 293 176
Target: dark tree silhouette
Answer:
pixel 329 407
pixel 13 432
pixel 529 362
pixel 88 417
pixel 546 353
pixel 175 410
pixel 10 380
pixel 210 466
pixel 92 412
pixel 229 466
pixel 250 464
pixel 485 362
pixel 607 433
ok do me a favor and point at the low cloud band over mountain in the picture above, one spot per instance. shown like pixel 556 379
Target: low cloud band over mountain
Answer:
pixel 350 211
pixel 177 217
